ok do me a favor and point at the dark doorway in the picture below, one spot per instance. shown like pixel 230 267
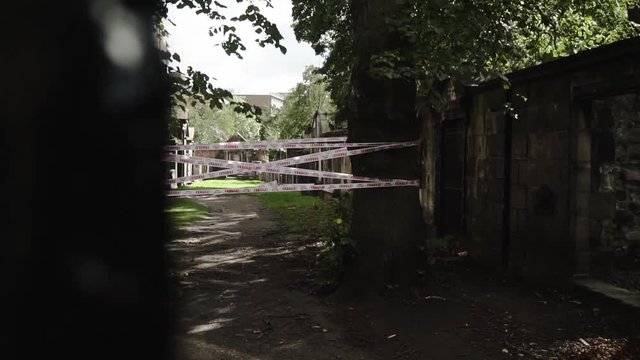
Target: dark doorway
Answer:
pixel 451 183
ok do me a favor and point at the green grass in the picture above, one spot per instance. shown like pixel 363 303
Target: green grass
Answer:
pixel 306 215
pixel 319 219
pixel 182 212
pixel 221 184
pixel 301 214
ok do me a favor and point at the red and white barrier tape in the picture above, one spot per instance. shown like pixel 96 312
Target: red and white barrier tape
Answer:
pixel 253 144
pixel 325 155
pixel 294 187
pixel 266 145
pixel 279 166
pixel 269 168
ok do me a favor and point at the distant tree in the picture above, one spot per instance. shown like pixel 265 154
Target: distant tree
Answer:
pixel 190 86
pixel 217 125
pixel 300 106
pixel 269 126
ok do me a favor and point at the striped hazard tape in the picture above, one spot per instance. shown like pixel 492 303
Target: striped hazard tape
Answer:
pixel 268 145
pixel 294 187
pixel 236 167
pixel 283 166
pixel 275 144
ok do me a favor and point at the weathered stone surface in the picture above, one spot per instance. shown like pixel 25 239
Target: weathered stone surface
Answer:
pixel 633 152
pixel 526 117
pixel 584 146
pixel 631 135
pixel 544 200
pixel 624 217
pixel 583 180
pixel 520 146
pixel 559 146
pixel 634 207
pixel 496 190
pixel 531 174
pixel 494 122
pixel 549 146
pixel 518 197
pixel 497 210
pixel 495 145
pixel 515 172
pixel 476 126
pixel 626 297
pixel 556 115
pixel 603 205
pixel 478 146
pixel 561 140
pixel 633 235
pixel 595 233
pixel 496 168
pixel 603 118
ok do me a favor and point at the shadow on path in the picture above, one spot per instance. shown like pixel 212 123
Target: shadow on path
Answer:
pixel 246 292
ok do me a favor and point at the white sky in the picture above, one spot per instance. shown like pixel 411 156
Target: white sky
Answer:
pixel 262 71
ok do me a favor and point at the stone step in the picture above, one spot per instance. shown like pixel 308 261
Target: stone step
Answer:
pixel 626 298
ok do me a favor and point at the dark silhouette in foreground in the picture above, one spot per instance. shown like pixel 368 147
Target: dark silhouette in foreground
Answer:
pixel 81 239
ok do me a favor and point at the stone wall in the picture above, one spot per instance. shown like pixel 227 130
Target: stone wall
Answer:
pixel 484 173
pixel 615 210
pixel 572 130
pixel 540 243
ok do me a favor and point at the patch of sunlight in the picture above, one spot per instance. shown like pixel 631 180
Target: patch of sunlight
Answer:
pixel 290 346
pixel 227 224
pixel 257 281
pixel 180 209
pixel 209 265
pixel 211 240
pixel 209 261
pixel 225 310
pixel 213 325
pixel 222 184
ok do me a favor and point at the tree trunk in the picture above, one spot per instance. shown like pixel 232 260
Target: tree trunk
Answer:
pixel 387 223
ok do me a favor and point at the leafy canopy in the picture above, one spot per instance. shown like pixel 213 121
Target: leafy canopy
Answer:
pixel 467 39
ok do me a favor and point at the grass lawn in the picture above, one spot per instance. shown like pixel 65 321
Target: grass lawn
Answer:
pixel 321 220
pixel 221 184
pixel 302 214
pixel 307 215
pixel 182 211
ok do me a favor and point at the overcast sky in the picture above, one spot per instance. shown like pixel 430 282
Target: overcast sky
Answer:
pixel 262 71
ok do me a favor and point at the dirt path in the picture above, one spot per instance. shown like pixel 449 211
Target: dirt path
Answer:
pixel 246 290
pixel 247 293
